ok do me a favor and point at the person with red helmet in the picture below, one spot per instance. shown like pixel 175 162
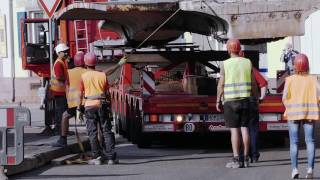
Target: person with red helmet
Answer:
pixel 301 100
pixel 73 97
pixel 236 85
pixel 94 89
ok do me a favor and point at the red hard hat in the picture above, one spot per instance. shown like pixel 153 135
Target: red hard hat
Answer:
pixel 233 46
pixel 78 59
pixel 301 63
pixel 90 59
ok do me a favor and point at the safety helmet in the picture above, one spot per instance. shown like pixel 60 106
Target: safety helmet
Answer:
pixel 78 59
pixel 301 63
pixel 61 47
pixel 233 46
pixel 90 59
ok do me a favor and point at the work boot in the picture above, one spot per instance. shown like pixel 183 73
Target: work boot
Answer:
pixel 113 162
pixel 295 174
pixel 234 163
pixel 61 142
pixel 309 173
pixel 95 161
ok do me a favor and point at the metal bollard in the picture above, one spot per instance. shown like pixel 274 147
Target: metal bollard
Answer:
pixel 12 120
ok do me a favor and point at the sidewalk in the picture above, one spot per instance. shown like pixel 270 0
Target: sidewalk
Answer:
pixel 37 149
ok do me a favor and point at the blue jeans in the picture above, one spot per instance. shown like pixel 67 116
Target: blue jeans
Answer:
pixel 294 127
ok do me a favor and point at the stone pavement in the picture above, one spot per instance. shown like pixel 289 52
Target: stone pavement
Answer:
pixel 37 149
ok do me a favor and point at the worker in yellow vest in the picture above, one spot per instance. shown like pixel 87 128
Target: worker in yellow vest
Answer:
pixel 58 84
pixel 301 100
pixel 236 85
pixel 95 90
pixel 73 97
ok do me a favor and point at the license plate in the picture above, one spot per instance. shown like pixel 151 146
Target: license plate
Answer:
pixel 158 127
pixel 216 117
pixel 277 126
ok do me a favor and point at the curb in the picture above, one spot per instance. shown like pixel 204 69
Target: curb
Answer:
pixel 34 161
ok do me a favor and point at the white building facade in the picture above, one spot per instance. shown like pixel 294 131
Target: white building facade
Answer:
pixel 17 84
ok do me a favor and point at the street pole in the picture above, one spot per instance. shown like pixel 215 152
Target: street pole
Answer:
pixel 13 68
pixel 50 47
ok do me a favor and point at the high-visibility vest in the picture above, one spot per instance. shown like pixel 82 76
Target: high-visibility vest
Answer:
pixel 237 76
pixel 55 85
pixel 302 100
pixel 73 95
pixel 94 87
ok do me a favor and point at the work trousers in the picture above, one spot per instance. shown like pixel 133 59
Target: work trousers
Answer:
pixel 95 115
pixel 60 107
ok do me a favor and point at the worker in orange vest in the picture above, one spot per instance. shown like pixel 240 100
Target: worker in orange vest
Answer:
pixel 58 84
pixel 301 100
pixel 94 89
pixel 73 97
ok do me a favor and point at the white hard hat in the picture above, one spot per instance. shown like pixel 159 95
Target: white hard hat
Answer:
pixel 61 47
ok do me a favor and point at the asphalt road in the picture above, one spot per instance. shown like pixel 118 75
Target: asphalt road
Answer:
pixel 180 159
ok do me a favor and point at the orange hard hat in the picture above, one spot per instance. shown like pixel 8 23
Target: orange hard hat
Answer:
pixel 233 46
pixel 90 59
pixel 301 63
pixel 78 59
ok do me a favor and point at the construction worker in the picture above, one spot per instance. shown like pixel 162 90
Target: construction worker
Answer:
pixel 254 113
pixel 58 84
pixel 73 97
pixel 235 84
pixel 94 89
pixel 287 57
pixel 301 100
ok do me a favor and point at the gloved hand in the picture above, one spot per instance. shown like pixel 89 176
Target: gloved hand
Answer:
pixel 123 60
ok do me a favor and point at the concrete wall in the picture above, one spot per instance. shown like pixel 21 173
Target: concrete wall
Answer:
pixel 25 90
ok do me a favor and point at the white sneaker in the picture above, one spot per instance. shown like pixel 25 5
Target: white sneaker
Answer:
pixel 295 174
pixel 309 173
pixel 96 161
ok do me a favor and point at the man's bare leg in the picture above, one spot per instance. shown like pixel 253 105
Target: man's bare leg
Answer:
pixel 246 145
pixel 245 140
pixel 235 141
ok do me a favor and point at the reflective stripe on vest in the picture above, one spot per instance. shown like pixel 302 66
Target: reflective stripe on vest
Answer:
pixel 95 97
pixel 237 78
pixel 302 99
pixel 94 86
pixel 57 85
pixel 73 95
